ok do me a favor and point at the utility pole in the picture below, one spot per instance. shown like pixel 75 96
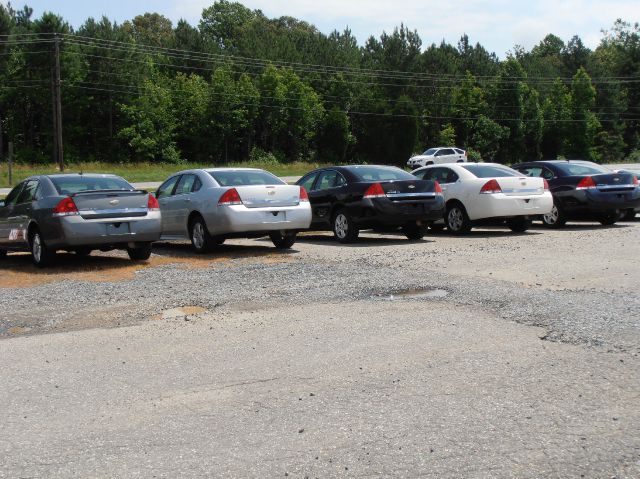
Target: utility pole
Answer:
pixel 57 104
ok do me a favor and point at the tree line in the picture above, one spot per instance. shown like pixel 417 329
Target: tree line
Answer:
pixel 243 86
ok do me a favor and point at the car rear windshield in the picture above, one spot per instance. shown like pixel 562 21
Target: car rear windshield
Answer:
pixel 68 185
pixel 490 171
pixel 245 178
pixel 579 169
pixel 430 151
pixel 377 173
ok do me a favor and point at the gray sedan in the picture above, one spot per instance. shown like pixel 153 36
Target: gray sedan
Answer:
pixel 210 205
pixel 80 213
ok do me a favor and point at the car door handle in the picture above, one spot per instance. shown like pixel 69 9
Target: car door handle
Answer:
pixel 187 200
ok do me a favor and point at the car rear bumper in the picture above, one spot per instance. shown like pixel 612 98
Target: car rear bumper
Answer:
pixel 499 205
pixel 76 231
pixel 599 202
pixel 384 212
pixel 240 219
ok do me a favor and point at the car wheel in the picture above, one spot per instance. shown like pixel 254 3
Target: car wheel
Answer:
pixel 140 252
pixel 519 225
pixel 414 231
pixel 629 215
pixel 200 237
pixel 344 229
pixel 283 239
pixel 41 254
pixel 609 218
pixel 458 221
pixel 555 218
pixel 83 252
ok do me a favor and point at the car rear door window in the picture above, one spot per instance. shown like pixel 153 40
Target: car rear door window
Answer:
pixel 185 185
pixel 327 180
pixel 197 184
pixel 166 188
pixel 307 181
pixel 450 176
pixel 28 193
pixel 533 171
pixel 13 195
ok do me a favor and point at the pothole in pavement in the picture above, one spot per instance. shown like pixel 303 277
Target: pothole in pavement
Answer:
pixel 428 293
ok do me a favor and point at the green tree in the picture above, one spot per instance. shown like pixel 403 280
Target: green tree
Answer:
pixel 585 124
pixel 151 124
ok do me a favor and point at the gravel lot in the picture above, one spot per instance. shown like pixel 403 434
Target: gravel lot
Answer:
pixel 492 355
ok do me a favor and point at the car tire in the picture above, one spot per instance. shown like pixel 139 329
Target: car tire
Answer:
pixel 519 225
pixel 283 239
pixel 457 220
pixel 414 231
pixel 41 254
pixel 201 240
pixel 140 252
pixel 609 218
pixel 344 229
pixel 555 218
pixel 629 215
pixel 83 252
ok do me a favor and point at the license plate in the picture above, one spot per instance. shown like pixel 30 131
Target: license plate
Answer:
pixel 275 216
pixel 118 229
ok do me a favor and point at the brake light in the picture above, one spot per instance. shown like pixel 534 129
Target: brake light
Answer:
pixel 303 195
pixel 586 183
pixel 230 197
pixel 490 187
pixel 546 184
pixel 375 191
pixel 438 188
pixel 66 207
pixel 152 204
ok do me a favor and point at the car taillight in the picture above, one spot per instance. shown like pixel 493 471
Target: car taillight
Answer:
pixel 152 204
pixel 66 207
pixel 490 187
pixel 230 197
pixel 438 188
pixel 546 184
pixel 586 183
pixel 303 195
pixel 374 191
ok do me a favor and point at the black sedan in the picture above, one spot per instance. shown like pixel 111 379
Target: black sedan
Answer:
pixel 346 199
pixel 79 213
pixel 583 190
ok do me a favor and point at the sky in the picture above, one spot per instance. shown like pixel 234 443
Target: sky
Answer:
pixel 498 25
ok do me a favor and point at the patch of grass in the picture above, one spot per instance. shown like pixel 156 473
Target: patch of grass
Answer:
pixel 139 172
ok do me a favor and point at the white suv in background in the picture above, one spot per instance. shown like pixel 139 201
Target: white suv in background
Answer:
pixel 441 154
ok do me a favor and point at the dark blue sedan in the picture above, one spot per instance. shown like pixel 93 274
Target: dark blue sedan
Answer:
pixel 583 190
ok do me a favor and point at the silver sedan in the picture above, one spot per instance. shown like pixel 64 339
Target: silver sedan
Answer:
pixel 79 213
pixel 207 206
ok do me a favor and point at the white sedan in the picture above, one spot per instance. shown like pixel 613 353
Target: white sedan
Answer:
pixel 488 193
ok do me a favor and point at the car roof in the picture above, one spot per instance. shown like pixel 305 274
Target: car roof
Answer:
pixel 88 175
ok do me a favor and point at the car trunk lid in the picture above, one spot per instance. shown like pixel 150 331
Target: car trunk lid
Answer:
pixel 409 190
pixel 111 203
pixel 521 185
pixel 263 196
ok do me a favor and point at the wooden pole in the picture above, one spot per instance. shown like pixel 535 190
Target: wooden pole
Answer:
pixel 10 161
pixel 58 107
